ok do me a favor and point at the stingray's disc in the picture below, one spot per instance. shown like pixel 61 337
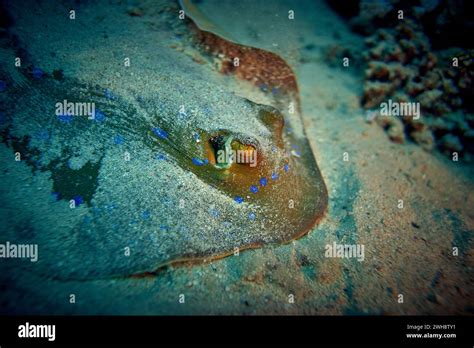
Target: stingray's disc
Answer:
pixel 141 184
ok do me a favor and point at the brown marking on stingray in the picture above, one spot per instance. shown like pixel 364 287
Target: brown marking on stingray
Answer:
pixel 257 66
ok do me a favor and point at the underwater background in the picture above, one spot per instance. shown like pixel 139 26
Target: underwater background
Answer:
pixel 132 215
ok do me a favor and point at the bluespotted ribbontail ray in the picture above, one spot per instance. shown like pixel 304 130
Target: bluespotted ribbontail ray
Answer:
pixel 142 173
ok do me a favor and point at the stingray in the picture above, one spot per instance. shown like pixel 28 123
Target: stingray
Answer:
pixel 140 185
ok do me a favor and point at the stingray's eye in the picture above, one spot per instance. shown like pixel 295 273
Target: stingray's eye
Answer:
pixel 227 150
pixel 244 153
pixel 221 150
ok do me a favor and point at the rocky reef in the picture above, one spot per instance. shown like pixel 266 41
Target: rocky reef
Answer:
pixel 410 61
pixel 402 67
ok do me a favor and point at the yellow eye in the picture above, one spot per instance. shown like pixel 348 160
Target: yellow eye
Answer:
pixel 243 153
pixel 225 151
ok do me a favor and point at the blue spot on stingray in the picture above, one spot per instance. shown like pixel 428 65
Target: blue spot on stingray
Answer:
pixel 252 216
pixel 160 133
pixel 207 110
pixel 154 238
pixel 39 162
pixel 37 73
pixel 238 199
pixel 253 189
pixel 161 157
pixel 182 115
pixel 166 201
pixel 146 215
pixel 118 139
pixel 65 118
pixel 263 182
pixel 164 228
pixel 214 213
pixel 286 167
pixel 108 94
pixel 78 200
pixel 42 134
pixel 196 136
pixel 184 229
pixel 200 162
pixel 162 107
pixel 274 176
pixel 3 85
pixel 275 91
pixel 99 116
pixel 264 87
